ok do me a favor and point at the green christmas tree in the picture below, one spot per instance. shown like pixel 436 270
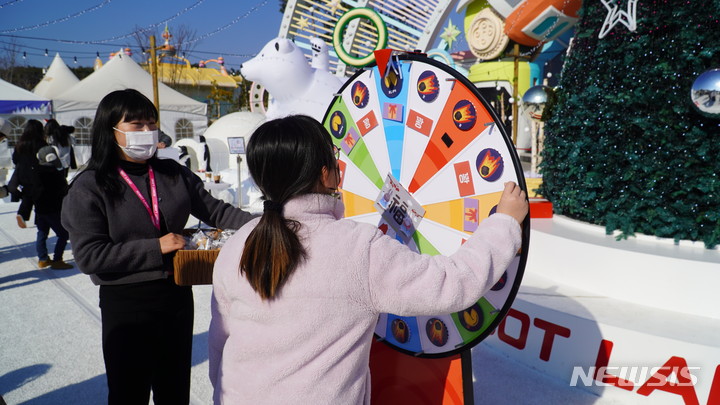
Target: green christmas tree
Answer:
pixel 625 147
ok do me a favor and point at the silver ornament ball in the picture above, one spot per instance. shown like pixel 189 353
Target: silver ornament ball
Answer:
pixel 705 93
pixel 535 100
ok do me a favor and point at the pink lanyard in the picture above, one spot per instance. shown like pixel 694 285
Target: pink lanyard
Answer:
pixel 155 211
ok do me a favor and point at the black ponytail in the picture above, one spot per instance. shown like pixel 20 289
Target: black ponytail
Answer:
pixel 285 157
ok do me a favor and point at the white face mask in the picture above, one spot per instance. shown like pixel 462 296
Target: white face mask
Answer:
pixel 141 145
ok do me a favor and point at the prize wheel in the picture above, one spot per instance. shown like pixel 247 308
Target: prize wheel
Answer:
pixel 425 160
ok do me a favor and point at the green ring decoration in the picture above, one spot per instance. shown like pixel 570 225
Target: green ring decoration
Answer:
pixel 353 14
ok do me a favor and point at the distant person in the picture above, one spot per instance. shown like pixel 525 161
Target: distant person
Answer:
pixel 297 294
pixel 125 214
pixel 164 140
pixel 60 137
pixel 5 157
pixel 25 159
pixel 164 150
pixel 49 189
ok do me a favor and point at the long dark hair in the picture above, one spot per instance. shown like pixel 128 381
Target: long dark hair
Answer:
pixel 128 105
pixel 57 135
pixel 286 157
pixel 32 138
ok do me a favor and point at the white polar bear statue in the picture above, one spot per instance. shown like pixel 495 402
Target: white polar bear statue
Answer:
pixel 295 87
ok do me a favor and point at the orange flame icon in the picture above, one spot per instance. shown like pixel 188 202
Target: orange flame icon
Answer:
pixel 400 330
pixel 428 85
pixel 436 332
pixel 489 165
pixel 360 95
pixel 464 114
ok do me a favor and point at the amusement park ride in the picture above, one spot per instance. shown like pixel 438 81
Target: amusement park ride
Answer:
pixel 169 67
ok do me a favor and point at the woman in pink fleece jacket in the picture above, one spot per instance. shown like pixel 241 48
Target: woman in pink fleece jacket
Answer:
pixel 297 292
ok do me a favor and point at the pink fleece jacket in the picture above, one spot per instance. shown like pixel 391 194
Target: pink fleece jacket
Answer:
pixel 311 344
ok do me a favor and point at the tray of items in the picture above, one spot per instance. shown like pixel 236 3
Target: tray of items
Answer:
pixel 194 264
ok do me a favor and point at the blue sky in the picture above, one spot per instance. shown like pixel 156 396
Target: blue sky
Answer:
pixel 98 26
pixel 107 21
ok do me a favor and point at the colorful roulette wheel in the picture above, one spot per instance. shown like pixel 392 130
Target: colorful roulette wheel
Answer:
pixel 424 160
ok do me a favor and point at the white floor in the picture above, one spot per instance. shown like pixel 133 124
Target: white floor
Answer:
pixel 50 339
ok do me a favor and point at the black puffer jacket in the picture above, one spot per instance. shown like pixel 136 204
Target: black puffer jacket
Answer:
pixel 48 190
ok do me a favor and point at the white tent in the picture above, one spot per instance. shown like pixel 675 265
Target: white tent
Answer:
pixel 57 79
pixel 18 105
pixel 15 100
pixel 77 105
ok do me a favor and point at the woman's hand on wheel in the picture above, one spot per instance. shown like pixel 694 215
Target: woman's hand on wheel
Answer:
pixel 513 202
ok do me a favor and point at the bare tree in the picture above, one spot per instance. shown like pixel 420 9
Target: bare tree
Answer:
pixel 8 58
pixel 183 40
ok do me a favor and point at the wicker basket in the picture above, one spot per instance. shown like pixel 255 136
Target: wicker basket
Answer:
pixel 194 267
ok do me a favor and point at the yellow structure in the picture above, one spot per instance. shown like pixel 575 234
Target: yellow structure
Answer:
pixel 184 74
pixel 176 70
pixel 215 87
pixel 220 91
pixel 502 71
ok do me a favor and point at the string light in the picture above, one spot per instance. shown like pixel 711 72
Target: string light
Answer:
pixel 80 58
pixel 9 3
pixel 47 51
pixel 231 23
pixel 195 53
pixel 59 20
pixel 151 26
pixel 104 41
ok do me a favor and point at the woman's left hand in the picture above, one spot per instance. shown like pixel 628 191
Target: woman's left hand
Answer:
pixel 171 242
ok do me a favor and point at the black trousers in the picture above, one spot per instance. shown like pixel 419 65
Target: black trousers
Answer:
pixel 147 342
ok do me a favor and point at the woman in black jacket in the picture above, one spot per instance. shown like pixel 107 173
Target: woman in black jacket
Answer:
pixel 49 189
pixel 125 213
pixel 25 160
